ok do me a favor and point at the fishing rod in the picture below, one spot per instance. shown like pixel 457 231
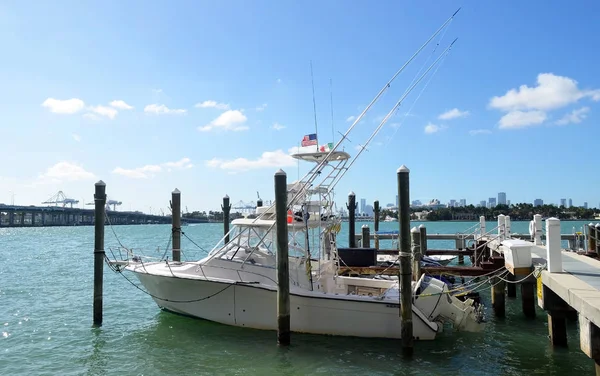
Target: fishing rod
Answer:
pixel 389 114
pixel 315 171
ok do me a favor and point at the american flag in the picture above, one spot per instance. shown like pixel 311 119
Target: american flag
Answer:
pixel 309 139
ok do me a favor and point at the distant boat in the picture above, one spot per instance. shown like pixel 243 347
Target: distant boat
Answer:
pixel 390 219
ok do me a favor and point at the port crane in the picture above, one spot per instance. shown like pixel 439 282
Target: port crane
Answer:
pixel 109 203
pixel 61 198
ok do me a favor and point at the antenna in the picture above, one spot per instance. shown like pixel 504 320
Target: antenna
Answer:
pixel 331 97
pixel 312 79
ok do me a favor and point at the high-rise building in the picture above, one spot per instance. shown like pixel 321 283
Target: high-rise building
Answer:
pixel 416 203
pixel 585 206
pixel 492 202
pixel 538 202
pixel 482 203
pixel 452 203
pixel 570 203
pixel 563 202
pixel 508 202
pixel 502 198
pixel 463 202
pixel 363 205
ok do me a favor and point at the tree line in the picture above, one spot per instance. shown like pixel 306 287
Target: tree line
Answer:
pixel 517 212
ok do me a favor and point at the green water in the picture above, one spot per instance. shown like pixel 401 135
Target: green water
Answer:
pixel 46 316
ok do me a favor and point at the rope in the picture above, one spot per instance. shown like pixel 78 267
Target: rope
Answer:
pixel 113 230
pixel 164 299
pixel 193 242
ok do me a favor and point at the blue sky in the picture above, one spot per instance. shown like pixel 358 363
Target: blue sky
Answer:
pixel 209 97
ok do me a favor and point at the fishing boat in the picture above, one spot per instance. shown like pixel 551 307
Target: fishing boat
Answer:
pixel 236 283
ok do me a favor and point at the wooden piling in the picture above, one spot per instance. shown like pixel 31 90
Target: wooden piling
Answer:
pixel 528 298
pixel 423 232
pixel 366 236
pixel 283 272
pixel 351 220
pixel 99 203
pixel 460 245
pixel 511 288
pixel 405 274
pixel 176 223
pixel 226 207
pixel 591 238
pixel 557 328
pixel 415 236
pixel 376 211
pixel 498 297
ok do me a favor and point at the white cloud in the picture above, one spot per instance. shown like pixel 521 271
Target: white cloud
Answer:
pixel 551 92
pixel 432 128
pixel 183 163
pixel 279 80
pixel 277 126
pixel 149 171
pixel 76 137
pixel 350 119
pixel 261 107
pixel 521 119
pixel 268 159
pixel 575 116
pixel 161 109
pixel 212 104
pixel 475 132
pixel 109 112
pixel 91 117
pixel 395 125
pixel 453 114
pixel 232 120
pixel 66 106
pixel 121 105
pixel 66 171
pixel 138 173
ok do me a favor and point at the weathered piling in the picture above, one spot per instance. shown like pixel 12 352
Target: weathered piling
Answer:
pixel 537 229
pixel 405 274
pixel 99 203
pixel 376 211
pixel 226 207
pixel 415 236
pixel 557 322
pixel 498 297
pixel 528 297
pixel 283 272
pixel 423 232
pixel 507 227
pixel 460 244
pixel 366 236
pixel 501 227
pixel 511 288
pixel 351 205
pixel 176 224
pixel 592 235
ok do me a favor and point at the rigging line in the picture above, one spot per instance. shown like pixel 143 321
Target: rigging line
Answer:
pixel 313 173
pixel 407 114
pixel 387 117
pixel 315 169
pixel 312 79
pixel 331 100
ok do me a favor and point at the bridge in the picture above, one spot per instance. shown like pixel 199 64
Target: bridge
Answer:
pixel 43 216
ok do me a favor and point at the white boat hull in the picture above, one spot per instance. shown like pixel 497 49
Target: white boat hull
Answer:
pixel 254 306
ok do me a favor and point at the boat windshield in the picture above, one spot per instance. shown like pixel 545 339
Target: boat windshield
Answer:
pixel 258 245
